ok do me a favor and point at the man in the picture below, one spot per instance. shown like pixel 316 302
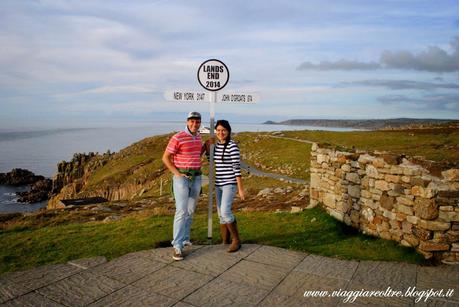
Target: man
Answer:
pixel 183 158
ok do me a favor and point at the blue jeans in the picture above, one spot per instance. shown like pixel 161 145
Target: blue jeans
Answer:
pixel 186 193
pixel 225 196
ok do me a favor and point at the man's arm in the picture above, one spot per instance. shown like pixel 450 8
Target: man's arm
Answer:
pixel 167 160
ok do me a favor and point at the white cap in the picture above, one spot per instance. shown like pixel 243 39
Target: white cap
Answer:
pixel 193 114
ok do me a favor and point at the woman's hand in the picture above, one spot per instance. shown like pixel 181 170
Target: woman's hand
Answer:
pixel 241 194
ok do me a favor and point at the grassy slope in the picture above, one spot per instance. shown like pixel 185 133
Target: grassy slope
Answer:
pixel 310 231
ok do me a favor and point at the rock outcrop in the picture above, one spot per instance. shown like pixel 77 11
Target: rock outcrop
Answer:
pixel 19 176
pixel 39 191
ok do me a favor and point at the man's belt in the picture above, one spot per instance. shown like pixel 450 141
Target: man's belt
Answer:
pixel 190 172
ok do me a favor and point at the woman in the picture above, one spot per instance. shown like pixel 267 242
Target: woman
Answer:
pixel 227 182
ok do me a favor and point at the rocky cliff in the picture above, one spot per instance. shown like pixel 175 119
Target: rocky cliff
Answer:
pixel 114 176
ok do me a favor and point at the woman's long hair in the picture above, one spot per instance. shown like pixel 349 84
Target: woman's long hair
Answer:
pixel 225 124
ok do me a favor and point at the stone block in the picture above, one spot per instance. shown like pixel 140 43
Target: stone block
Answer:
pixel 382 185
pixel 337 215
pixel 451 174
pixel 354 191
pixel 396 170
pixel 412 170
pixel 392 178
pixel 365 159
pixel 368 214
pixel 397 189
pixel 419 181
pixel 433 247
pixel 390 215
pixel 412 219
pixel 434 225
pixel 330 200
pixel 452 236
pixel 372 171
pixel 448 194
pixel 407 227
pixel 404 200
pixel 315 180
pixel 411 239
pixel 406 179
pixel 404 209
pixel 422 234
pixel 378 163
pixel 387 202
pixel 346 168
pixel 426 208
pixel 321 158
pixel 448 216
pixel 353 177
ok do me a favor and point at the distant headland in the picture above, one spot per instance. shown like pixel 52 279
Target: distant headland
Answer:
pixel 371 124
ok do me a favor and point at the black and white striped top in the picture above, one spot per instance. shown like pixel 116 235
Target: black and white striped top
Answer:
pixel 228 167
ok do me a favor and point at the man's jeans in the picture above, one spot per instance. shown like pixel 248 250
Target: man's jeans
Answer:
pixel 225 196
pixel 186 193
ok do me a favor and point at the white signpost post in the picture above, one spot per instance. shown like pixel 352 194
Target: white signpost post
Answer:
pixel 213 75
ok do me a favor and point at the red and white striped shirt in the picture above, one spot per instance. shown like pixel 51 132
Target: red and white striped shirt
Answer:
pixel 186 150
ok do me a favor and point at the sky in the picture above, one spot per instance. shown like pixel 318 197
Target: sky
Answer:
pixel 111 61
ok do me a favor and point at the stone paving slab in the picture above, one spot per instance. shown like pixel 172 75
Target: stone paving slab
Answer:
pixel 209 276
pixel 87 263
pixel 128 268
pixel 296 283
pixel 80 289
pixel 134 296
pixel 379 274
pixel 32 299
pixel 255 274
pixel 221 292
pixel 9 289
pixel 276 256
pixel 42 276
pixel 328 267
pixel 173 282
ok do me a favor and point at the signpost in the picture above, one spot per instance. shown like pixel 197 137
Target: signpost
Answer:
pixel 213 75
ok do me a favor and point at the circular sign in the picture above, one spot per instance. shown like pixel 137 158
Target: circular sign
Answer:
pixel 213 75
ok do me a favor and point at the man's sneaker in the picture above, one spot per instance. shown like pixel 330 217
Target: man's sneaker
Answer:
pixel 187 243
pixel 177 254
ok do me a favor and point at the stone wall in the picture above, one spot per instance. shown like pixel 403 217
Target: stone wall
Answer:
pixel 389 196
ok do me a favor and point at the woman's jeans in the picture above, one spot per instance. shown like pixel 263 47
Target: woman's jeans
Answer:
pixel 186 193
pixel 225 196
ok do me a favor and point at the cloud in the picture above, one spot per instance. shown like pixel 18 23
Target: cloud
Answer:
pixel 405 84
pixel 339 65
pixel 434 59
pixel 449 102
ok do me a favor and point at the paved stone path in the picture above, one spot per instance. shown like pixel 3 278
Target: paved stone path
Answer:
pixel 255 276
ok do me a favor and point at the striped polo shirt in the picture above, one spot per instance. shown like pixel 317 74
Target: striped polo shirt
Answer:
pixel 186 150
pixel 228 164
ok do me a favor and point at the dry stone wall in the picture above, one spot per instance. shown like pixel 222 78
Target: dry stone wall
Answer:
pixel 388 196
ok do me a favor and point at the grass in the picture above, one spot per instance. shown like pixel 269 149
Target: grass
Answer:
pixel 433 144
pixel 274 155
pixel 310 231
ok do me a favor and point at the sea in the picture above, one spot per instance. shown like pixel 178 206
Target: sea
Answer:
pixel 40 149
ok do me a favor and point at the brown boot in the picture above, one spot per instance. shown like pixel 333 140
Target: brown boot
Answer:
pixel 236 243
pixel 226 239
